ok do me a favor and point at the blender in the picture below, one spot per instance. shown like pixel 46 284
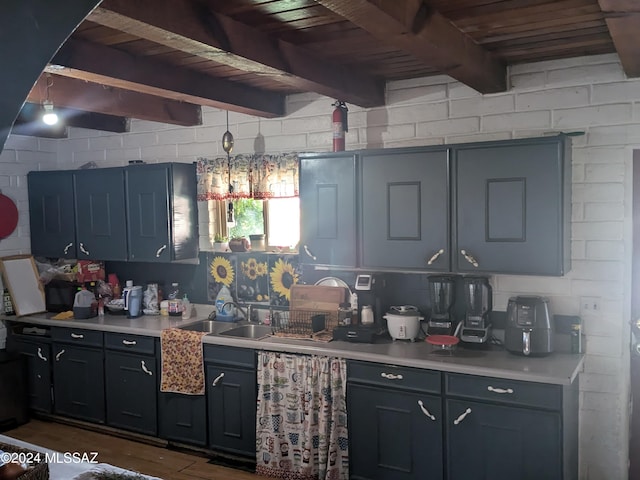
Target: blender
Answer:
pixel 478 299
pixel 441 296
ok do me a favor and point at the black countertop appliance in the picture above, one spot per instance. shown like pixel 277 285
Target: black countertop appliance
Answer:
pixel 528 330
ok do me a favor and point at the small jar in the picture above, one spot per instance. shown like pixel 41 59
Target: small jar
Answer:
pixel 344 314
pixel 258 243
pixel 576 337
pixel 366 315
pixel 164 307
pixel 175 307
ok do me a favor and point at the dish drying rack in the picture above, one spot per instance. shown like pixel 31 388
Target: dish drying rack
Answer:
pixel 305 324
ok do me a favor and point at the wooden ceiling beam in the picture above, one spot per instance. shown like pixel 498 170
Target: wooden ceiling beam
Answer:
pixel 623 21
pixel 29 122
pixel 87 96
pixel 108 66
pixel 190 27
pixel 416 28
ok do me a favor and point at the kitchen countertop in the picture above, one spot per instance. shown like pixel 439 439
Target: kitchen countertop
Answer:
pixel 557 368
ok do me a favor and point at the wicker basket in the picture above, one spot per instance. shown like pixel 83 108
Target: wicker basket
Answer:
pixel 38 470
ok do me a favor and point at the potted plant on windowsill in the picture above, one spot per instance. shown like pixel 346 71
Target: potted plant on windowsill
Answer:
pixel 220 243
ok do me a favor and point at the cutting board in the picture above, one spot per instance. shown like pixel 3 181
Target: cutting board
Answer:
pixel 316 297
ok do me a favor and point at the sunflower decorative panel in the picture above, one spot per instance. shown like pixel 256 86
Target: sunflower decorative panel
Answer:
pixel 284 272
pixel 252 284
pixel 257 278
pixel 222 271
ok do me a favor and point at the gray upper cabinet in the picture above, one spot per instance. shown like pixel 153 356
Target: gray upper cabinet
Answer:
pixel 51 214
pixel 512 207
pixel 405 209
pixel 328 209
pixel 100 214
pixel 144 213
pixel 162 220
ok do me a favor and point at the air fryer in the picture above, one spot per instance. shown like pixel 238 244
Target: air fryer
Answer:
pixel 528 330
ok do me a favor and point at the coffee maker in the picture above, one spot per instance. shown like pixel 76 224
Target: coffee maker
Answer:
pixel 442 294
pixel 478 296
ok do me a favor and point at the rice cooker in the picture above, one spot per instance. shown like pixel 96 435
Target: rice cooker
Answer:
pixel 403 322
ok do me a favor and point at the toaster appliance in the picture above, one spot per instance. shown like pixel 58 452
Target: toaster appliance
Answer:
pixel 60 295
pixel 528 330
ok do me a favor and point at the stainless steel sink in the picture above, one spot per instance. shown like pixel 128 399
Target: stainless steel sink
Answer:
pixel 253 331
pixel 209 326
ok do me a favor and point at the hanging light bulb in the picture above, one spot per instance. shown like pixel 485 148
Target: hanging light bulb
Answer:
pixel 227 138
pixel 50 117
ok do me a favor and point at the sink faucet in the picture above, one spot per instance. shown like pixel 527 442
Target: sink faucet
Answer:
pixel 247 312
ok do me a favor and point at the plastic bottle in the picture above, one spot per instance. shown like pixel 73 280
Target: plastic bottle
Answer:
pixel 174 291
pixel 354 309
pixel 175 302
pixel 224 296
pixel 186 308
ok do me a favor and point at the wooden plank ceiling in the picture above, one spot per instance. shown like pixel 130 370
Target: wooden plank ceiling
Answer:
pixel 161 60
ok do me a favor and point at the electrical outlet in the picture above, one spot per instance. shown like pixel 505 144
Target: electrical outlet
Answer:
pixel 589 304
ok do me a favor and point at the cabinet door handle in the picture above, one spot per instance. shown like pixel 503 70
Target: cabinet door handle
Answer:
pixel 499 390
pixel 83 250
pixel 160 250
pixel 77 335
pixel 129 342
pixel 67 247
pixel 435 256
pixel 308 252
pixel 217 379
pixel 469 258
pixel 461 417
pixel 391 376
pixel 59 354
pixel 425 411
pixel 40 356
pixel 144 368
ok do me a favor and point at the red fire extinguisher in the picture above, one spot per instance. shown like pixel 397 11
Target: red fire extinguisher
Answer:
pixel 340 125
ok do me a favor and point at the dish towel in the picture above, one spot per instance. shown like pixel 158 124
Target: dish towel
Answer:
pixel 182 361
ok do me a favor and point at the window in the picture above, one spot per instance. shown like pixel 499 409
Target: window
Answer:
pixel 283 219
pixel 279 218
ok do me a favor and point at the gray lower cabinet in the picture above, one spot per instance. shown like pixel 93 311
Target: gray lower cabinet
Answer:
pixel 181 418
pixel 131 380
pixel 405 209
pixel 395 422
pixel 231 399
pixel 505 429
pixel 78 373
pixel 513 206
pixel 328 209
pixel 38 353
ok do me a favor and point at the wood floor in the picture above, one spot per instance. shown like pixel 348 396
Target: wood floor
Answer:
pixel 132 455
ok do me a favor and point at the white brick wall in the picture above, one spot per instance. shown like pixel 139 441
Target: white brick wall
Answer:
pixel 589 95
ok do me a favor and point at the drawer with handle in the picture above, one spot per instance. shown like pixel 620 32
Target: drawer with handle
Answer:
pixel 129 343
pixel 80 336
pixel 499 390
pixel 394 376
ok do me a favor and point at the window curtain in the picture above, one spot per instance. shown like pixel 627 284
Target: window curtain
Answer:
pixel 259 176
pixel 301 423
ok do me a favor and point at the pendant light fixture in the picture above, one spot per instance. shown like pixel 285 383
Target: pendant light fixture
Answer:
pixel 49 117
pixel 227 146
